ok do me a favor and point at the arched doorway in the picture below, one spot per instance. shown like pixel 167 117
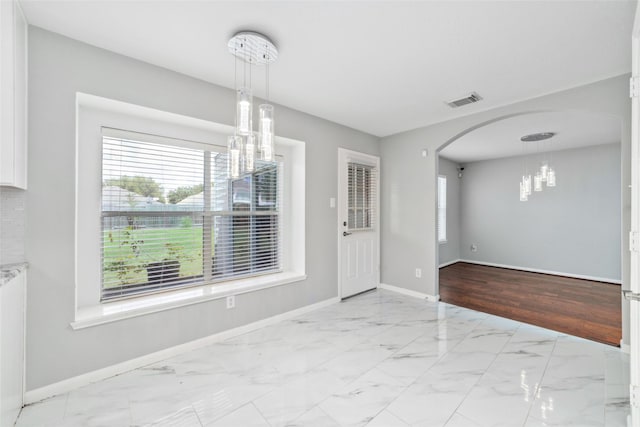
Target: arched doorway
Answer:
pixel 572 230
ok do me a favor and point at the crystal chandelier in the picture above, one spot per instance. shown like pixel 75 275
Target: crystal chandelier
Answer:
pixel 245 146
pixel 544 175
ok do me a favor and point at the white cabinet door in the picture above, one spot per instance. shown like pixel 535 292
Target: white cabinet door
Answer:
pixel 6 91
pixel 12 300
pixel 13 87
pixel 20 77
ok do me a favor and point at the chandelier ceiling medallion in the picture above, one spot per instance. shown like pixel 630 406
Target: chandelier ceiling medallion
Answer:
pixel 545 174
pixel 246 148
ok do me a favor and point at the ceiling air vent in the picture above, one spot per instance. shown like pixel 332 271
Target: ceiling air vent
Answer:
pixel 469 99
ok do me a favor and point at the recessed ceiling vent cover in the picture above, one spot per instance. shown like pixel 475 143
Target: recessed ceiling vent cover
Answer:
pixel 469 99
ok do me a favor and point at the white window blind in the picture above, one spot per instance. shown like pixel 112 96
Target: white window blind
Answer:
pixel 442 208
pixel 361 196
pixel 171 218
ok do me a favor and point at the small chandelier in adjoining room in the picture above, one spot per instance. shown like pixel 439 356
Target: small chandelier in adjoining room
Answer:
pixel 544 174
pixel 245 148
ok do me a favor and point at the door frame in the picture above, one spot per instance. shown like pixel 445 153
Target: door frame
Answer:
pixel 634 306
pixel 344 155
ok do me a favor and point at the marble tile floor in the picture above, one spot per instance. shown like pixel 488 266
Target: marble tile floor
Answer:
pixel 381 360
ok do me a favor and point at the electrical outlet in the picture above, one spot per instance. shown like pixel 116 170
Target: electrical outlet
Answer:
pixel 231 301
pixel 418 273
pixel 473 248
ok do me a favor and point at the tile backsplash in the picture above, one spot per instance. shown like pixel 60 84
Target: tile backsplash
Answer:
pixel 12 219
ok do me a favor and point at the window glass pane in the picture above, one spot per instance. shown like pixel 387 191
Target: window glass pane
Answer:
pixel 241 194
pixel 266 242
pixel 147 176
pixel 359 218
pixel 246 238
pixel 351 189
pixel 361 194
pixel 171 217
pixel 265 194
pixel 141 252
pixel 359 189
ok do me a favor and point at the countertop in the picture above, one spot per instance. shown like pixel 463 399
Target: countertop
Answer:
pixel 9 271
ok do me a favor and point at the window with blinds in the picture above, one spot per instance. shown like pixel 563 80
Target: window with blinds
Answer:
pixel 171 217
pixel 442 208
pixel 361 196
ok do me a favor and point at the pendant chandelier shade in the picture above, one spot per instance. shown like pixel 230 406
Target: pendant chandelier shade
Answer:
pixel 537 182
pixel 246 147
pixel 544 174
pixel 267 132
pixel 244 111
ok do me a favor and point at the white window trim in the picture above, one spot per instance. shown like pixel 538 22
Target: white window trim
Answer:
pixel 93 113
pixel 137 306
pixel 443 241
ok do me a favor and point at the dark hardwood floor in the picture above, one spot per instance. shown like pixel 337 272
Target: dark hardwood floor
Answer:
pixel 578 307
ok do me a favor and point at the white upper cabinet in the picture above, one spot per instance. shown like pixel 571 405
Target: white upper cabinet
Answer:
pixel 13 95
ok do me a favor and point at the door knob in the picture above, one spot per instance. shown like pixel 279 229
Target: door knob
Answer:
pixel 346 233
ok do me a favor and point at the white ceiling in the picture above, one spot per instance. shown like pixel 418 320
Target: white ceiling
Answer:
pixel 378 66
pixel 502 138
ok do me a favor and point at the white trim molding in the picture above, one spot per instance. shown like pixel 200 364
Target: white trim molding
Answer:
pixel 625 348
pixel 448 263
pixel 95 115
pixel 409 292
pixel 537 270
pixel 139 306
pixel 69 384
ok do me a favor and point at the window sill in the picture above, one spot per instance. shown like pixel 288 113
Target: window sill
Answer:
pixel 442 242
pixel 118 310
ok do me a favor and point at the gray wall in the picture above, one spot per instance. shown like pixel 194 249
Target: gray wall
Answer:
pixel 58 68
pixel 408 187
pixel 12 219
pixel 572 228
pixel 450 250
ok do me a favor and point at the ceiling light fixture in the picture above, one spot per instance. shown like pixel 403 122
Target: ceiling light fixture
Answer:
pixel 252 49
pixel 545 174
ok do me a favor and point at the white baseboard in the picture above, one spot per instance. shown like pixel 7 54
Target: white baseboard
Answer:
pixel 72 383
pixel 626 348
pixel 537 270
pixel 445 264
pixel 404 291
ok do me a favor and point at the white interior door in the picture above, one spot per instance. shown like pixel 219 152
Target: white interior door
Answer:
pixel 634 327
pixel 358 222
